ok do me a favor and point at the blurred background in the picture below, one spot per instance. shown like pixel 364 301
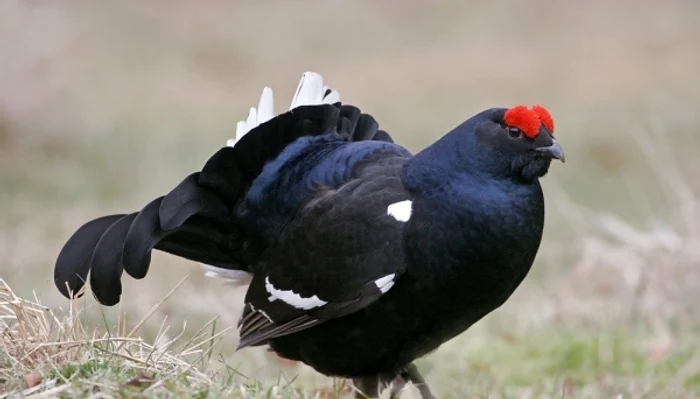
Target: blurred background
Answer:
pixel 104 106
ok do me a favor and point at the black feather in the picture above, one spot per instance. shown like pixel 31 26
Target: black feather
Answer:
pixel 106 265
pixel 189 199
pixel 366 128
pixel 144 233
pixel 381 135
pixel 222 176
pixel 73 262
pixel 267 140
pixel 195 219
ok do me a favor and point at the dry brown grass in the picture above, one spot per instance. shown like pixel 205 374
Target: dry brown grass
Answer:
pixel 38 341
pixel 49 353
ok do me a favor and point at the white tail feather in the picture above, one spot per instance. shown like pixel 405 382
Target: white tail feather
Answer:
pixel 252 119
pixel 266 106
pixel 332 97
pixel 310 91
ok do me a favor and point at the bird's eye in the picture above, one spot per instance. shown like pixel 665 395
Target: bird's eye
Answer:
pixel 515 133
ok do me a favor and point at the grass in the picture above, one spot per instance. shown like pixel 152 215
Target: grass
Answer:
pixel 48 353
pixel 96 118
pixel 45 353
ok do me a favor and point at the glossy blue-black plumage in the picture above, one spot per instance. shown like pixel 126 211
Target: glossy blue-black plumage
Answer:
pixel 299 171
pixel 472 237
pixel 339 282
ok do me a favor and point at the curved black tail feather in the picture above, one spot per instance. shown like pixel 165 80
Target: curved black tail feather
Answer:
pixel 196 220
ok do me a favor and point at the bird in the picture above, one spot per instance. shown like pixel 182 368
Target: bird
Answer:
pixel 359 256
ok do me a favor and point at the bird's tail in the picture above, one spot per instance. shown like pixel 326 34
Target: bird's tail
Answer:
pixel 196 220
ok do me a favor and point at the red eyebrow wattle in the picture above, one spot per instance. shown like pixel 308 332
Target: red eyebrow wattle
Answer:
pixel 545 117
pixel 524 119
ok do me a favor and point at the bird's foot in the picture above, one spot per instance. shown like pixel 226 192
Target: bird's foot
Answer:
pixel 412 375
pixel 371 387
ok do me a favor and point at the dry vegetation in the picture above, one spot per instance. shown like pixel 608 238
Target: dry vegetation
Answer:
pixel 103 107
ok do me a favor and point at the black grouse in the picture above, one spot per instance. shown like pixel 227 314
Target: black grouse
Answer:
pixel 360 257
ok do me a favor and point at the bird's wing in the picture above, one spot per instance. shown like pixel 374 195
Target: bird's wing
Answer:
pixel 340 253
pixel 199 219
pixel 196 219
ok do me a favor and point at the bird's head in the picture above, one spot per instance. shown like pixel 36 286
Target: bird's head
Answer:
pixel 517 142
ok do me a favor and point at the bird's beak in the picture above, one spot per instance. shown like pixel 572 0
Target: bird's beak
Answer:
pixel 554 151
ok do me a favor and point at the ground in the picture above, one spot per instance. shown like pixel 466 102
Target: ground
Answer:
pixel 103 107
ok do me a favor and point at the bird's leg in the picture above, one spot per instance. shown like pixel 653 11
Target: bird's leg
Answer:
pixel 399 383
pixel 371 387
pixel 367 387
pixel 411 374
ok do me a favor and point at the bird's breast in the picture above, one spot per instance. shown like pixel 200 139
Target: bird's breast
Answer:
pixel 469 256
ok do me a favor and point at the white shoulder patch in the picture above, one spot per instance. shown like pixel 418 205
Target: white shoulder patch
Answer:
pixel 401 211
pixel 292 298
pixel 385 283
pixel 310 91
